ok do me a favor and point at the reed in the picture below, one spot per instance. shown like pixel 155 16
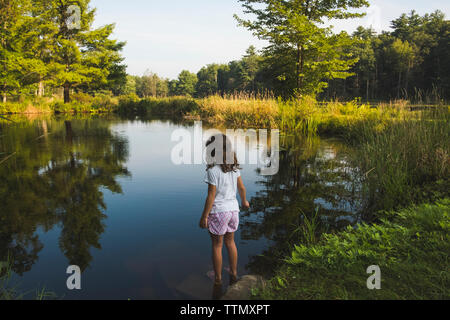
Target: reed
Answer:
pixel 403 155
pixel 240 111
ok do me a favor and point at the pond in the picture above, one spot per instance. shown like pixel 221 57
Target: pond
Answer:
pixel 102 193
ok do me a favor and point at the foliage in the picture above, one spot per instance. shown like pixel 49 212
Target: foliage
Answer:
pixel 410 62
pixel 294 26
pixel 41 43
pixel 185 85
pixel 410 246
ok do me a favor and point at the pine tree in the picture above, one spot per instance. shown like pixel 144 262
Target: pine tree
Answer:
pixel 11 60
pixel 81 56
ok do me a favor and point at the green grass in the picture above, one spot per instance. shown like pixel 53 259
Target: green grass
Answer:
pixel 411 246
pixel 12 291
pixel 169 107
pixel 402 157
pixel 81 103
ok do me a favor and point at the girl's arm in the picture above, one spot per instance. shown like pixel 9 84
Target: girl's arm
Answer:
pixel 208 206
pixel 242 193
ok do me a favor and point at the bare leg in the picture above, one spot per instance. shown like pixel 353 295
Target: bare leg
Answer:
pixel 232 253
pixel 217 244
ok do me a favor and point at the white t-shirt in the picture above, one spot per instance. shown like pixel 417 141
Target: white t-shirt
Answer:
pixel 226 188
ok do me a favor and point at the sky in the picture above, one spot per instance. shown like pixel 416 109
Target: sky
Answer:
pixel 168 36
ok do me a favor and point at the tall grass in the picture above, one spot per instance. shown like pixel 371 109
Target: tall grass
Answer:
pixel 168 106
pixel 403 155
pixel 26 106
pixel 81 103
pixel 240 111
pixel 309 228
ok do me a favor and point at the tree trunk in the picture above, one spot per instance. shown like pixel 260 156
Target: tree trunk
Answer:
pixel 66 93
pixel 4 97
pixel 41 88
pixel 407 80
pixel 399 84
pixel 367 90
pixel 345 87
pixel 300 66
pixel 375 83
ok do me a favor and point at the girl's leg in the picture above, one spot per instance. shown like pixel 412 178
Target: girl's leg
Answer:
pixel 217 244
pixel 232 253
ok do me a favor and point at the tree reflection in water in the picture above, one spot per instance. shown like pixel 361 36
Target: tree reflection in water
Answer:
pixel 56 178
pixel 315 176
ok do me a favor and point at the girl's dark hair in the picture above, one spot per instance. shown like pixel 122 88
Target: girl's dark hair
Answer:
pixel 230 163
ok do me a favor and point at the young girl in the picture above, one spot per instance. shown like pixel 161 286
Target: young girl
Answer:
pixel 221 213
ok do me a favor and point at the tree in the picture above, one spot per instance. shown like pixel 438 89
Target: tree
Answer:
pixel 151 85
pixel 185 85
pixel 11 15
pixel 251 62
pixel 363 49
pixel 402 56
pixel 295 25
pixel 81 56
pixel 207 80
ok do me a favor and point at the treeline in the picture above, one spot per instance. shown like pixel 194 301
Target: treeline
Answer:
pixel 410 62
pixel 49 46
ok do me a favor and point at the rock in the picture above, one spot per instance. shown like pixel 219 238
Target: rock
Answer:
pixel 196 287
pixel 242 289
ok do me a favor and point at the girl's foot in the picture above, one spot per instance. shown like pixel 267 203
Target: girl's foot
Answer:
pixel 233 279
pixel 212 276
pixel 217 292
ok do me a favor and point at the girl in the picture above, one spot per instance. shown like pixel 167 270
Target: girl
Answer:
pixel 221 213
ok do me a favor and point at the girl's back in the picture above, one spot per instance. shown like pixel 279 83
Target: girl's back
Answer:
pixel 226 188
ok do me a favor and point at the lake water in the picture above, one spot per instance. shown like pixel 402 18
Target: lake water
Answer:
pixel 102 193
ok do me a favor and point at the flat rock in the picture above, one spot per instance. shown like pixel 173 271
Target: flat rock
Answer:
pixel 242 289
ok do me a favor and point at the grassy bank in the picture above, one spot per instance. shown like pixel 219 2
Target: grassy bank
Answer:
pixel 411 247
pixel 81 103
pixel 405 160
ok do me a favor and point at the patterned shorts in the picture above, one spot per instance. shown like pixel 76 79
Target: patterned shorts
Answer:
pixel 223 222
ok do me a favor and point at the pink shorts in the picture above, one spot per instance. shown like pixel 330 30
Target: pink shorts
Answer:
pixel 223 222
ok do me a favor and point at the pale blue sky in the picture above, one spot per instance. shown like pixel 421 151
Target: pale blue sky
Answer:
pixel 168 36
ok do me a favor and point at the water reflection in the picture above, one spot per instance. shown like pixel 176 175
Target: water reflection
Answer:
pixel 54 194
pixel 315 177
pixel 56 178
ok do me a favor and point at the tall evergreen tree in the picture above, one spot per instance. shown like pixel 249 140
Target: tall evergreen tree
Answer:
pixel 11 59
pixel 82 56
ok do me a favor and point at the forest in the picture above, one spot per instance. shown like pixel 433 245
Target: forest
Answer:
pixel 44 52
pixel 410 62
